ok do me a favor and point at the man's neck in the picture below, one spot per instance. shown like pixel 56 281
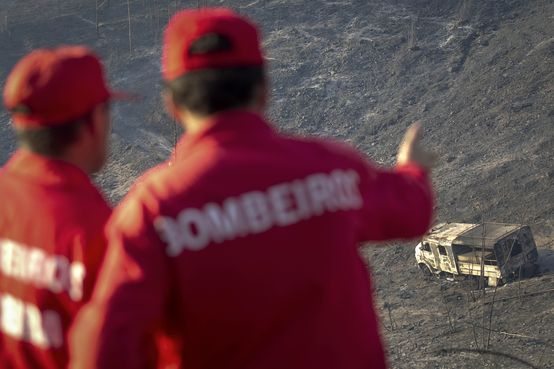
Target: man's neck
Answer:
pixel 66 157
pixel 194 123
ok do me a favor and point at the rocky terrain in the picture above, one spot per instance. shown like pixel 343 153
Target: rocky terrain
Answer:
pixel 478 74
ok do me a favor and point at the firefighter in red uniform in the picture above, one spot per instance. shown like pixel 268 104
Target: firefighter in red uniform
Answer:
pixel 51 215
pixel 245 247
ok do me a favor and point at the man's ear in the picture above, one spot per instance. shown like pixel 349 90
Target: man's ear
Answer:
pixel 93 120
pixel 169 104
pixel 87 126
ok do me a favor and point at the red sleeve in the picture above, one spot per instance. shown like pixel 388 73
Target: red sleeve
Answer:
pixel 88 240
pixel 117 328
pixel 94 255
pixel 398 203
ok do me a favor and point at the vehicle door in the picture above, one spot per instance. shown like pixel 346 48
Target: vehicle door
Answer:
pixel 428 255
pixel 446 259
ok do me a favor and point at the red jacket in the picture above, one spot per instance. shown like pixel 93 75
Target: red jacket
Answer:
pixel 51 246
pixel 245 248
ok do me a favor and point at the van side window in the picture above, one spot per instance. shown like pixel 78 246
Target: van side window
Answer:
pixel 426 246
pixel 516 248
pixel 462 249
pixel 442 250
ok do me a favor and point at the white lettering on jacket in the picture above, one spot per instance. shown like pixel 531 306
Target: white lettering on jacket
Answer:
pixel 25 322
pixel 254 212
pixel 32 265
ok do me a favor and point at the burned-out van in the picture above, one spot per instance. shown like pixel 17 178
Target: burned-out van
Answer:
pixel 499 252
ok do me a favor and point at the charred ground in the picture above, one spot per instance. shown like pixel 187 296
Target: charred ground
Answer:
pixel 478 74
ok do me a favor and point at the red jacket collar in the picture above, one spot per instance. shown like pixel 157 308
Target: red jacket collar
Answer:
pixel 41 169
pixel 231 125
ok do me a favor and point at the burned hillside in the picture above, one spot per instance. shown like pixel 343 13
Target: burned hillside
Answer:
pixel 478 74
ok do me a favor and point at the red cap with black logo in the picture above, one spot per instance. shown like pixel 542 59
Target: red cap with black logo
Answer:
pixel 50 87
pixel 189 26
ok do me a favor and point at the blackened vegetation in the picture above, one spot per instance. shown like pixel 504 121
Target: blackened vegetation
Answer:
pixel 477 73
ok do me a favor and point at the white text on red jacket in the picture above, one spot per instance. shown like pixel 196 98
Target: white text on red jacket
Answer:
pixel 51 272
pixel 255 212
pixel 25 322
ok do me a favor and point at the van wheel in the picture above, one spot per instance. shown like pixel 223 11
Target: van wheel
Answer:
pixel 425 270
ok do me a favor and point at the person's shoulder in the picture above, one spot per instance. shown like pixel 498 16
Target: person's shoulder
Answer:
pixel 6 177
pixel 327 148
pixel 172 177
pixel 131 212
pixel 143 200
pixel 148 185
pixel 97 203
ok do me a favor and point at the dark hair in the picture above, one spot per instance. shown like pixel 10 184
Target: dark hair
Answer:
pixel 51 141
pixel 210 91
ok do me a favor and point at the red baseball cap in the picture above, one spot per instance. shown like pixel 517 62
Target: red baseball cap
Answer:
pixel 49 87
pixel 189 26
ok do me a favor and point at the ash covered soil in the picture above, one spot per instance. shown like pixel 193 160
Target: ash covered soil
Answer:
pixel 478 74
